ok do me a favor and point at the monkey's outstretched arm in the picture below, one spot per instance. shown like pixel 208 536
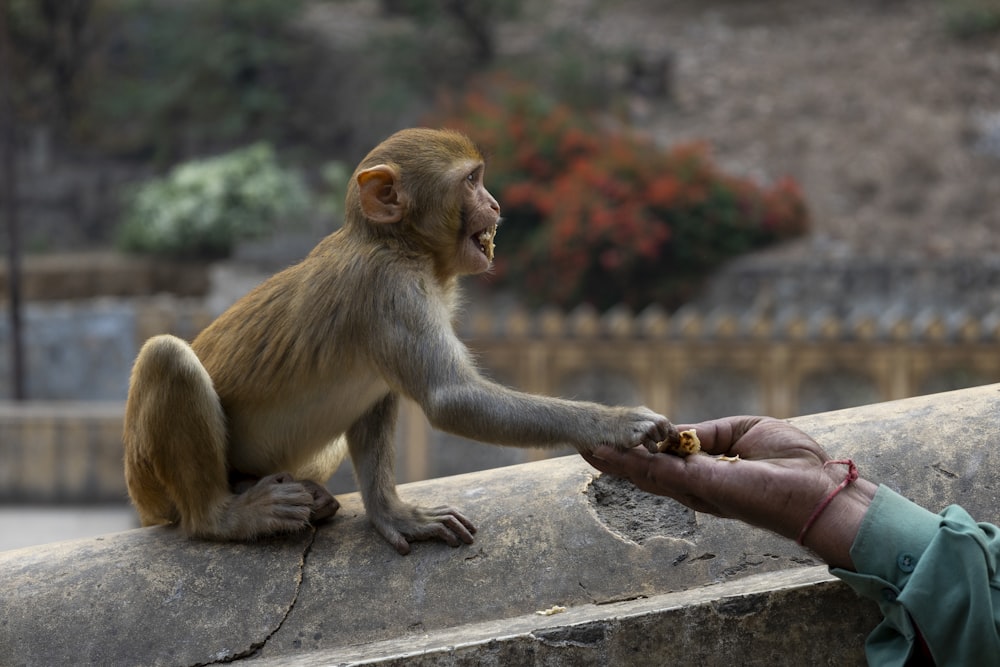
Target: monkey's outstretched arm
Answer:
pixel 486 411
pixel 433 367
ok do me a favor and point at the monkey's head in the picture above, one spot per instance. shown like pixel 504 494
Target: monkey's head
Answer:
pixel 425 188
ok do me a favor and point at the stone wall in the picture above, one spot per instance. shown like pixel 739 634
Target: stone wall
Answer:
pixel 788 362
pixel 692 365
pixel 81 276
pixel 61 452
pixel 765 283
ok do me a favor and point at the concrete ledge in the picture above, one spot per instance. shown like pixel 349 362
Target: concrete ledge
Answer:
pixel 750 621
pixel 86 275
pixel 649 582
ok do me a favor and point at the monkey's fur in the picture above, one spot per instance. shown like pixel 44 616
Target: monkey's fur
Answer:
pixel 233 436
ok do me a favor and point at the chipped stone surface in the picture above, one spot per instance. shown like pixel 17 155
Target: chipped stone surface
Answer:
pixel 639 516
pixel 768 619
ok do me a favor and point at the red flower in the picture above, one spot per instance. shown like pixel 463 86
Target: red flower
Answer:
pixel 607 216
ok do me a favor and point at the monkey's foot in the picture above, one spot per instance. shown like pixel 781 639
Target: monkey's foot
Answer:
pixel 274 504
pixel 403 524
pixel 324 505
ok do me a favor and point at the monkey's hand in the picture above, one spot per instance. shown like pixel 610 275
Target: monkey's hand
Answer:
pixel 631 427
pixel 279 503
pixel 401 523
pixel 273 504
pixel 324 505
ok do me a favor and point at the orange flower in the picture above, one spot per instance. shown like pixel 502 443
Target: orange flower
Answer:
pixel 664 191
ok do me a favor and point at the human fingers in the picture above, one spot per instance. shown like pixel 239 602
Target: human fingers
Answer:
pixel 613 461
pixel 655 473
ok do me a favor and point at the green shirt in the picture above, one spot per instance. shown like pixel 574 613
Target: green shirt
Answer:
pixel 936 572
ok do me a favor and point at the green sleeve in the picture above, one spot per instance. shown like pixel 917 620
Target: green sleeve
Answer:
pixel 935 572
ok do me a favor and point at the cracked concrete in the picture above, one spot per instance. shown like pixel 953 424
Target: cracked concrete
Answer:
pixel 549 534
pixel 147 596
pixel 255 648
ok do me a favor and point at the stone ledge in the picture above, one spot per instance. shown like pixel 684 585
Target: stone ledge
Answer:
pixel 340 593
pixel 751 621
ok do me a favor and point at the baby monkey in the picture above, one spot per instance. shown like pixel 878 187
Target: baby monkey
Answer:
pixel 234 435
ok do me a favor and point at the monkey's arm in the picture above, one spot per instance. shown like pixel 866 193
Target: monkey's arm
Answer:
pixel 433 367
pixel 372 448
pixel 482 410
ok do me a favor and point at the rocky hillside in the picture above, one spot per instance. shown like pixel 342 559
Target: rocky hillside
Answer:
pixel 889 121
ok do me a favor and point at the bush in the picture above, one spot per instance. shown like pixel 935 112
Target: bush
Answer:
pixel 603 217
pixel 968 19
pixel 201 208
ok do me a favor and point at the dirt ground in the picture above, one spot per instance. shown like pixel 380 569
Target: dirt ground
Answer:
pixel 890 123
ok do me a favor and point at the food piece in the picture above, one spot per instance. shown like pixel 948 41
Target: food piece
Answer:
pixel 486 241
pixel 551 611
pixel 687 443
pixel 730 459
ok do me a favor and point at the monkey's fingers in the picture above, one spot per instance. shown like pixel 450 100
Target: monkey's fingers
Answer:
pixel 448 525
pixel 418 524
pixel 454 513
pixel 647 429
pixel 275 504
pixel 324 505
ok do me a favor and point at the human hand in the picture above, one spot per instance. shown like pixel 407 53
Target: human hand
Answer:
pixel 776 484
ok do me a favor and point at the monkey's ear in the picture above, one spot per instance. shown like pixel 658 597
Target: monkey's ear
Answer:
pixel 382 200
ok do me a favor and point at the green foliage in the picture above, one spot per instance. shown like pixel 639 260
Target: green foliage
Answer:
pixel 172 75
pixel 967 19
pixel 604 217
pixel 201 208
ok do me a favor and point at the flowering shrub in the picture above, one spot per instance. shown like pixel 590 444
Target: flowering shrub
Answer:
pixel 201 208
pixel 608 217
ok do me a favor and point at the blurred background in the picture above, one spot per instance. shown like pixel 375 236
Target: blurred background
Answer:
pixel 711 207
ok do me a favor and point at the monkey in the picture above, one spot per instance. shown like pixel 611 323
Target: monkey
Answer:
pixel 233 436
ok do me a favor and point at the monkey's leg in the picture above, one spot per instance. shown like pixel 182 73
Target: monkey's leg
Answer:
pixel 371 446
pixel 175 454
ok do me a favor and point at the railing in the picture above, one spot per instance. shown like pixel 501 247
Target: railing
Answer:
pixel 689 365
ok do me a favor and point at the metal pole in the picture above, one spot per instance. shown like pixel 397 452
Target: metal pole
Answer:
pixel 10 210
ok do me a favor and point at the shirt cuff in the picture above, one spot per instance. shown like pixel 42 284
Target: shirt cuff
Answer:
pixel 893 535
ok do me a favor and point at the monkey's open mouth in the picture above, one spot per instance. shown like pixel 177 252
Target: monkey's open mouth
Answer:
pixel 485 241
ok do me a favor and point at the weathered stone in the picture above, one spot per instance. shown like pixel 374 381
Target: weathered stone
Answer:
pixel 146 597
pixel 769 619
pixel 667 586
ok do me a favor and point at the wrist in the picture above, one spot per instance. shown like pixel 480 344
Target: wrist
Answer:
pixel 832 531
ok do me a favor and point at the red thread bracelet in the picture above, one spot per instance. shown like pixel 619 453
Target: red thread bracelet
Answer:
pixel 852 474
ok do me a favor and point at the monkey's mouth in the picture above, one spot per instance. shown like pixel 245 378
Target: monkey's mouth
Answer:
pixel 484 240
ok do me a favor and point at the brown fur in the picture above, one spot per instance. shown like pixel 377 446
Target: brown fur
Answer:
pixel 311 364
